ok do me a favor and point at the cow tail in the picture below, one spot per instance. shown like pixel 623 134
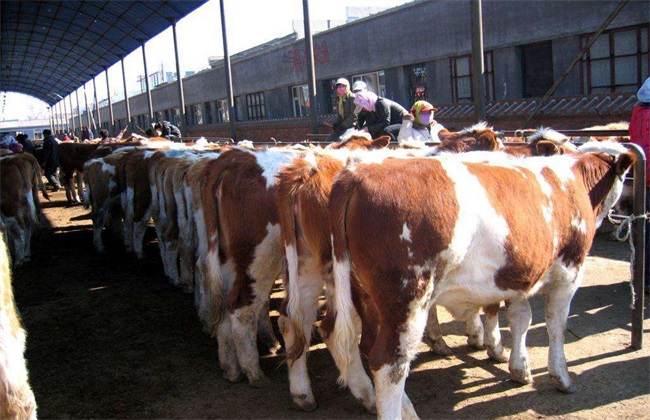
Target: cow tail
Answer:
pixel 39 180
pixel 287 213
pixel 87 195
pixel 344 333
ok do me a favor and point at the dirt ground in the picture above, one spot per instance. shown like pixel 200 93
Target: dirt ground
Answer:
pixel 109 337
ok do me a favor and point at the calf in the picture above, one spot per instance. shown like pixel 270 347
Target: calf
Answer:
pixel 241 244
pixel 16 397
pixel 444 231
pixel 20 209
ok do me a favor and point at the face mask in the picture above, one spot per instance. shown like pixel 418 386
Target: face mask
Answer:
pixel 425 118
pixel 340 90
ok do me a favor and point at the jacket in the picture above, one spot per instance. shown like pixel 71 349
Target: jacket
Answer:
pixel 169 130
pixel 640 132
pixel 50 154
pixel 349 117
pixel 386 113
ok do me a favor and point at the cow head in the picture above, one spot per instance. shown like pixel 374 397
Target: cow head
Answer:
pixel 360 140
pixel 609 162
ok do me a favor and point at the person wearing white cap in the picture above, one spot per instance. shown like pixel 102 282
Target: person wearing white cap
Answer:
pixel 346 117
pixel 640 134
pixel 359 86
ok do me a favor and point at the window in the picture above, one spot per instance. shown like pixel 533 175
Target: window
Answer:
pixel 255 106
pixel 300 100
pixel 461 78
pixel 196 114
pixel 616 62
pixel 207 107
pixel 376 82
pixel 418 83
pixel 537 68
pixel 177 116
pixel 222 111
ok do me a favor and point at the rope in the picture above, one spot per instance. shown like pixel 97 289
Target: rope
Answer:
pixel 623 233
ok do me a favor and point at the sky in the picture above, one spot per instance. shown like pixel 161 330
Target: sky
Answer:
pixel 249 23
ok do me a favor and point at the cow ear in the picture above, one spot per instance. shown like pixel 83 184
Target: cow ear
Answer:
pixel 624 162
pixel 546 148
pixel 380 142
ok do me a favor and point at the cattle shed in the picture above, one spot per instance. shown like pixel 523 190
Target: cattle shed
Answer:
pixel 50 48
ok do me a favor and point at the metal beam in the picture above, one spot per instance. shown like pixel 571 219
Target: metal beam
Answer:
pixel 478 70
pixel 226 62
pixel 126 98
pixel 110 103
pixel 179 81
pixel 87 110
pixel 146 81
pixel 79 110
pixel 99 118
pixel 74 127
pixel 311 80
pixel 66 126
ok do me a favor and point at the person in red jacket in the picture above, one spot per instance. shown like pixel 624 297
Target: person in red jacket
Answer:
pixel 640 134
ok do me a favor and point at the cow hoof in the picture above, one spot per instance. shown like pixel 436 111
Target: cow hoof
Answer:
pixel 371 408
pixel 303 403
pixel 475 341
pixel 497 357
pixel 567 389
pixel 438 346
pixel 261 382
pixel 273 348
pixel 234 376
pixel 522 376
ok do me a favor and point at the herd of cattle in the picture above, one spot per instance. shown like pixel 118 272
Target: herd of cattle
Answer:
pixel 387 233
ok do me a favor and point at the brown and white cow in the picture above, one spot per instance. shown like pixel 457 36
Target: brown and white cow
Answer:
pixel 237 223
pixel 20 209
pixel 544 142
pixel 16 397
pixel 444 231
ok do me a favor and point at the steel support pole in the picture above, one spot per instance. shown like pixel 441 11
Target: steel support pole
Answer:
pixel 55 119
pixel 60 117
pixel 309 50
pixel 99 118
pixel 87 110
pixel 179 81
pixel 79 111
pixel 111 116
pixel 51 121
pixel 226 61
pixel 74 127
pixel 66 126
pixel 638 230
pixel 126 98
pixel 478 71
pixel 146 81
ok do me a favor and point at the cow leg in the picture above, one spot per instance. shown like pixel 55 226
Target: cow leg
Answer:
pixel 355 377
pixel 265 333
pixel 80 187
pixel 244 331
pixel 433 334
pixel 126 199
pixel 519 317
pixel 139 229
pixel 558 302
pixel 474 329
pixel 390 364
pixel 219 318
pixel 310 284
pixel 492 335
pixel 99 220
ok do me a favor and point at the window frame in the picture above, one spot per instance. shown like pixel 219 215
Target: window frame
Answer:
pixel 488 65
pixel 255 106
pixel 587 62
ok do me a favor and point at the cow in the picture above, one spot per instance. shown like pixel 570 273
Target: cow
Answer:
pixel 239 239
pixel 20 209
pixel 16 396
pixel 444 231
pixel 303 193
pixel 104 177
pixel 477 137
pixel 544 142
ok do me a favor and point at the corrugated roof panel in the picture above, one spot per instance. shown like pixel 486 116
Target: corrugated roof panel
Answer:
pixel 43 43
